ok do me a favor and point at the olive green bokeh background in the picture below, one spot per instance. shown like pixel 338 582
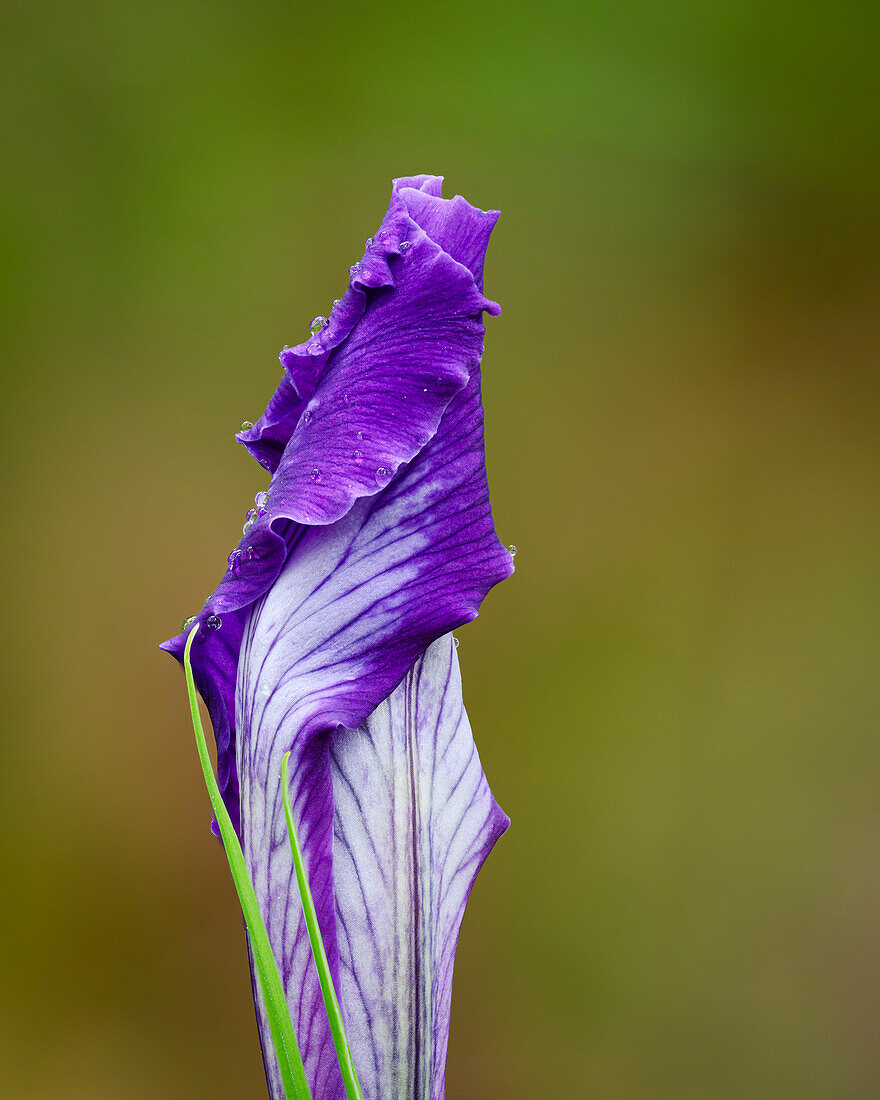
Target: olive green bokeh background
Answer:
pixel 676 696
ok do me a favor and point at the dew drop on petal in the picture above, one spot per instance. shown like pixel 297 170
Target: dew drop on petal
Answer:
pixel 315 474
pixel 213 622
pixel 307 416
pixel 186 624
pixel 368 243
pixel 403 246
pixel 360 435
pixel 383 475
pixel 355 269
pixel 261 500
pixel 336 302
pixel 512 550
pixel 457 641
pixel 356 454
pixel 317 323
pixel 315 348
pixel 246 426
pixel 252 554
pixel 233 560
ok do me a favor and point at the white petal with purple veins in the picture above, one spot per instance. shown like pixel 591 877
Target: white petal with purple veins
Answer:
pixel 414 819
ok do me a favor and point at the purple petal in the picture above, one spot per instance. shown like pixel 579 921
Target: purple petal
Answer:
pixel 360 599
pixel 398 373
pixel 432 231
pixel 383 395
pixel 430 185
pixel 413 820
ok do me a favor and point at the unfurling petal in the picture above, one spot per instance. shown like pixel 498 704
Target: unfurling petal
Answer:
pixel 413 820
pixel 397 372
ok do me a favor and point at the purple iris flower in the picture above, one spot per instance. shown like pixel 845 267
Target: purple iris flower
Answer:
pixel 329 636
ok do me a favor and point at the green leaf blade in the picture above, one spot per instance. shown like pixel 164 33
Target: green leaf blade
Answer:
pixel 322 965
pixel 290 1063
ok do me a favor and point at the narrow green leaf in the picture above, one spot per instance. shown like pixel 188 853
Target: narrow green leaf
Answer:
pixel 331 1002
pixel 293 1075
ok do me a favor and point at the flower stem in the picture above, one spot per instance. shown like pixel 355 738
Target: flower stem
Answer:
pixel 290 1066
pixel 331 1002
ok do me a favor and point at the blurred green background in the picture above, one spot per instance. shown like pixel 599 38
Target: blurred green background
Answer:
pixel 676 697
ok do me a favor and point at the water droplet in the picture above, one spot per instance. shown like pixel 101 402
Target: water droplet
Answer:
pixel 261 500
pixel 355 269
pixel 233 559
pixel 345 399
pixel 252 554
pixel 402 247
pixel 246 426
pixel 186 624
pixel 456 641
pixel 249 520
pixel 315 348
pixel 336 302
pixel 315 474
pixel 213 622
pixel 512 550
pixel 356 454
pixel 383 475
pixel 368 243
pixel 360 435
pixel 317 323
